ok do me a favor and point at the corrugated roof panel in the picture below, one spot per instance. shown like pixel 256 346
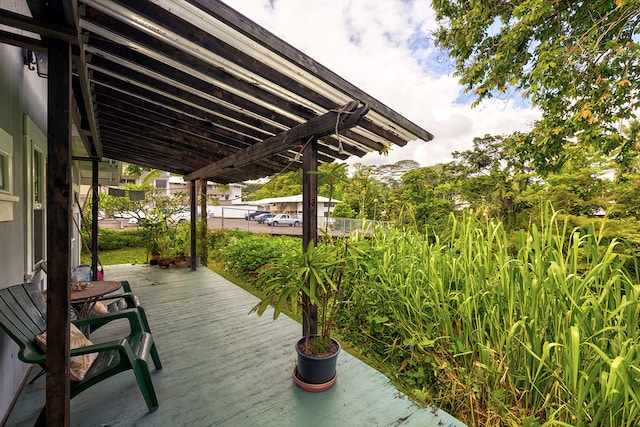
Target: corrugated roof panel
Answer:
pixel 181 84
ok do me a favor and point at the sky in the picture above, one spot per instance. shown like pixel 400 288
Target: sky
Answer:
pixel 384 47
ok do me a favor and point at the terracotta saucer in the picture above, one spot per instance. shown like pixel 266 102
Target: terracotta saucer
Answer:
pixel 314 388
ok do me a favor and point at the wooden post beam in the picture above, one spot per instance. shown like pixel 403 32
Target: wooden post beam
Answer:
pixel 58 233
pixel 341 118
pixel 95 196
pixel 194 222
pixel 309 222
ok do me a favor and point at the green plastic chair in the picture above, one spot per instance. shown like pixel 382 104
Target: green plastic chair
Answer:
pixel 23 317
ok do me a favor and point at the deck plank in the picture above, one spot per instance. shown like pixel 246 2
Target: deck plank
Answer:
pixel 226 367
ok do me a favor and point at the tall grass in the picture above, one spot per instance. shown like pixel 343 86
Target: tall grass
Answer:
pixel 543 333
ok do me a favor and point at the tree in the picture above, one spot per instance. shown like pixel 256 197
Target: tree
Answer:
pixel 365 194
pixel 153 213
pixel 579 62
pixel 626 192
pixel 626 197
pixel 390 175
pixel 576 190
pixel 285 184
pixel 344 210
pixel 631 135
pixel 423 199
pixel 492 178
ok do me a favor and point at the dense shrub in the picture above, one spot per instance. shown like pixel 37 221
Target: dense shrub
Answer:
pixel 117 239
pixel 548 334
pixel 244 252
pixel 219 239
pixel 624 231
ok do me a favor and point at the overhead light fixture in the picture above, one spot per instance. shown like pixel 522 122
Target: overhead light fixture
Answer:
pixel 36 61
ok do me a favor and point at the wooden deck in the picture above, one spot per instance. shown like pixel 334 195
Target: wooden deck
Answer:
pixel 225 367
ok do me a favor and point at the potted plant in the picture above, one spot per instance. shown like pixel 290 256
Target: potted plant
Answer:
pixel 167 254
pixel 317 273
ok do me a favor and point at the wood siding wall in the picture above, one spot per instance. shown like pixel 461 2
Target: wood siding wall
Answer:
pixel 21 92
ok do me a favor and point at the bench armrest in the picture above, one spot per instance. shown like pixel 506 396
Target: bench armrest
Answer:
pixel 131 314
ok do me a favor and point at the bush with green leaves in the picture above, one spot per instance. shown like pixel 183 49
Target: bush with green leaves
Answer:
pixel 245 252
pixel 547 333
pixel 117 239
pixel 625 231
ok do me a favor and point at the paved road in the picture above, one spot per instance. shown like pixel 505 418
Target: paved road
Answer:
pixel 238 223
pixel 228 223
pixel 253 226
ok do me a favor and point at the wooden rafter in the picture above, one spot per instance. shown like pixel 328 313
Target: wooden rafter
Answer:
pixel 338 119
pixel 44 28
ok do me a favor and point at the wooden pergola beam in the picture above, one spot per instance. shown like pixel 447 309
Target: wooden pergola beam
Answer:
pixel 24 42
pixel 338 119
pixel 44 28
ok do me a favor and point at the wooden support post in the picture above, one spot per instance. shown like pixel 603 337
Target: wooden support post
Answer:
pixel 203 230
pixel 58 232
pixel 309 221
pixel 94 217
pixel 194 221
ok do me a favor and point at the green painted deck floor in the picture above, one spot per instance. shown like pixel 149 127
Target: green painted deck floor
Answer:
pixel 225 367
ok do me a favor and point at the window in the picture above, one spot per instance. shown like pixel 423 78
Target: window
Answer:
pixel 35 190
pixel 4 171
pixel 7 199
pixel 6 151
pixel 38 206
pixel 38 179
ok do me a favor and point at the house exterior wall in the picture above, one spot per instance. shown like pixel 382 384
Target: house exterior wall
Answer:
pixel 22 93
pixel 217 194
pixel 224 194
pixel 229 211
pixel 296 209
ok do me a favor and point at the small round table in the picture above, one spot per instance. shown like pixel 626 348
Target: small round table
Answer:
pixel 83 300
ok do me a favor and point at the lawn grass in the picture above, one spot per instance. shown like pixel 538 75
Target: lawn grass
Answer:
pixel 119 256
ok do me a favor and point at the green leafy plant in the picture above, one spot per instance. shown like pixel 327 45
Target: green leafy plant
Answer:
pixel 544 330
pixel 164 242
pixel 316 273
pixel 117 239
pixel 246 253
pixel 182 239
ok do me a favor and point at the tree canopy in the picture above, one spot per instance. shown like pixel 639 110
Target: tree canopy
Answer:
pixel 579 62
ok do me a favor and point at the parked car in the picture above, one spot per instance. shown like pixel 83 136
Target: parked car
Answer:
pixel 181 217
pixel 263 217
pixel 283 219
pixel 132 217
pixel 251 216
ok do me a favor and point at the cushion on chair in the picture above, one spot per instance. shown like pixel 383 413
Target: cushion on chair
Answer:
pixel 79 365
pixel 98 309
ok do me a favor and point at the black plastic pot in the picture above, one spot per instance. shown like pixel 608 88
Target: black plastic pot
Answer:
pixel 317 370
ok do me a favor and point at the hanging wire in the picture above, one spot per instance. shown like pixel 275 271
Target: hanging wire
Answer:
pixel 340 111
pixel 340 147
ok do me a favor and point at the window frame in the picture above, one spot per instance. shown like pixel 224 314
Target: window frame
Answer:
pixel 35 209
pixel 7 196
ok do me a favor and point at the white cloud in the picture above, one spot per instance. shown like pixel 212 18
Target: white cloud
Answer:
pixel 384 48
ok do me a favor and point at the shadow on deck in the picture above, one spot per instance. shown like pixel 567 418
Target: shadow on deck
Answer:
pixel 225 367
